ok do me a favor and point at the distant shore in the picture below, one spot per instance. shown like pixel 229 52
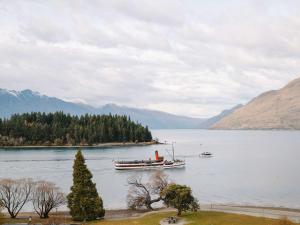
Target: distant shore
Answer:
pixel 101 145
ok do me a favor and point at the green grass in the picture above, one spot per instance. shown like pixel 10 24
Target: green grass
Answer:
pixel 199 218
pixel 218 218
pixel 35 219
pixel 152 219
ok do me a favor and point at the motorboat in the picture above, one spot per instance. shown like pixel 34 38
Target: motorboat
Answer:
pixel 206 154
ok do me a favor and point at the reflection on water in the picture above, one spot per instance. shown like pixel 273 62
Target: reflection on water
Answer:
pixel 248 167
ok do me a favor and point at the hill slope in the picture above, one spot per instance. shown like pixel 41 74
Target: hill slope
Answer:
pixel 213 120
pixel 12 102
pixel 153 118
pixel 271 110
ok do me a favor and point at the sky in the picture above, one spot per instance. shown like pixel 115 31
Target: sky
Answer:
pixel 193 58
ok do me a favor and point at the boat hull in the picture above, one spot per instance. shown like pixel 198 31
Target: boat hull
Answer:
pixel 169 165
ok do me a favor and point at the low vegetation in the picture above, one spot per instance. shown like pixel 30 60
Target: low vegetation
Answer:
pixel 1 209
pixel 179 197
pixel 59 129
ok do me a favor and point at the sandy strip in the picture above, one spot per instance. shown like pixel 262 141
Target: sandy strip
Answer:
pixel 268 212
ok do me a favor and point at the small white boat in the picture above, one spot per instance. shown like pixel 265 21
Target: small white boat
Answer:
pixel 206 154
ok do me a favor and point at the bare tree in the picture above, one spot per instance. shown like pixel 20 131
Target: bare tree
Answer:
pixel 142 194
pixel 158 181
pixel 45 197
pixel 1 208
pixel 14 194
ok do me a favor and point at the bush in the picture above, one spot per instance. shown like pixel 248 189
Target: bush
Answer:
pixel 1 208
pixel 180 197
pixel 285 221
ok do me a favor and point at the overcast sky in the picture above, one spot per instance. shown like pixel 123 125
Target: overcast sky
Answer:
pixel 191 58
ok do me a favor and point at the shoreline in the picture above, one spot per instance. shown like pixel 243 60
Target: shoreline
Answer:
pixel 102 145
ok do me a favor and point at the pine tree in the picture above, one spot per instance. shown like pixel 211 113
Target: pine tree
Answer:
pixel 63 129
pixel 83 201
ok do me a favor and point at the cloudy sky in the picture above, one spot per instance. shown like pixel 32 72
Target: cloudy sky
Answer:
pixel 191 58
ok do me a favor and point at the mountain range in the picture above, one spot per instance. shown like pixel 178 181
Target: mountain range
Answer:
pixel 12 102
pixel 277 109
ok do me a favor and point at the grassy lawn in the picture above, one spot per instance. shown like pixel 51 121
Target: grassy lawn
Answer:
pixel 199 218
pixel 218 218
pixel 56 219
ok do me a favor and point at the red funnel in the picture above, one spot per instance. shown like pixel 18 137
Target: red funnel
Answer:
pixel 156 155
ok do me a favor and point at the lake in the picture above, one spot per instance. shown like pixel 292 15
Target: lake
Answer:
pixel 248 167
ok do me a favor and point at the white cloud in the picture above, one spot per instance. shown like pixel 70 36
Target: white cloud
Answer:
pixel 187 57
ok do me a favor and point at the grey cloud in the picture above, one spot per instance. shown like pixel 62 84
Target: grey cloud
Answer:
pixel 193 57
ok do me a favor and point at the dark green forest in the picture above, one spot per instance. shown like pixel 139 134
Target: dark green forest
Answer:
pixel 63 129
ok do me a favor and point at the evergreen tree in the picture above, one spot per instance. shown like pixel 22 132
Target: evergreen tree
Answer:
pixel 83 201
pixel 63 129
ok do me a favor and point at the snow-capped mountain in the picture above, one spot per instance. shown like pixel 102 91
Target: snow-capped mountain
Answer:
pixel 12 102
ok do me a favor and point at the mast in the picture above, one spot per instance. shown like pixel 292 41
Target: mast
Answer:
pixel 173 150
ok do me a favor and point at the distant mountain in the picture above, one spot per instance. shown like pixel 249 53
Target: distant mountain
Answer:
pixel 213 120
pixel 153 118
pixel 28 101
pixel 278 109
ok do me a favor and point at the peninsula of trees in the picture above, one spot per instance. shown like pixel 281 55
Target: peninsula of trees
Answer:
pixel 59 129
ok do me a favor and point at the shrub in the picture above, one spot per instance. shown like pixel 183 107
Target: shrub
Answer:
pixel 180 197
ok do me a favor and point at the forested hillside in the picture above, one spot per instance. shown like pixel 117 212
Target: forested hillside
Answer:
pixel 63 129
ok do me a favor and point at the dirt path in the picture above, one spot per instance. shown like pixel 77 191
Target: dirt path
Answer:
pixel 179 222
pixel 126 214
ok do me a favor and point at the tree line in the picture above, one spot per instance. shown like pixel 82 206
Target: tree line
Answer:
pixel 64 129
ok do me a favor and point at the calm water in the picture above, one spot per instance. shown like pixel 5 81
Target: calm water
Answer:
pixel 248 167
